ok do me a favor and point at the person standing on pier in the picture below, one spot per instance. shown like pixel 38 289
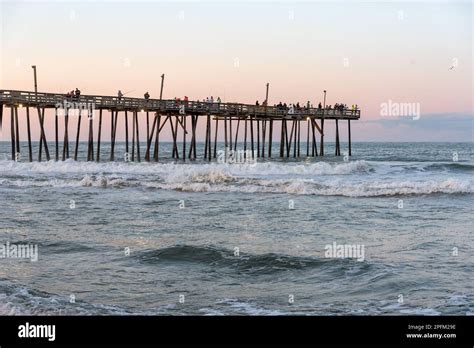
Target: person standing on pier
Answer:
pixel 120 95
pixel 78 92
pixel 147 96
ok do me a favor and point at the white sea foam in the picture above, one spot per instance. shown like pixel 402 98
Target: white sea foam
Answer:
pixel 264 168
pixel 309 187
pixel 216 183
pixel 352 179
pixel 247 308
pixel 420 311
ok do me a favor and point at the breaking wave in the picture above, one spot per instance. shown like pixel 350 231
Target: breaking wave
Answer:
pixel 249 264
pixel 310 187
pixel 351 179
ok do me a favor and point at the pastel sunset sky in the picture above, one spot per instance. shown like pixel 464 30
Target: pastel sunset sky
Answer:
pixel 364 53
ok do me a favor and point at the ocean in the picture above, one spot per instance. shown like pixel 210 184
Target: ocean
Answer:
pixel 200 238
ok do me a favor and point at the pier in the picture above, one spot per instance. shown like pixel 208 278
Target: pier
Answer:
pixel 254 121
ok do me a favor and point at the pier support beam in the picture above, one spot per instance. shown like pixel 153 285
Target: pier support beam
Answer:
pixel 314 151
pixel 147 133
pixel 138 136
pixel 157 138
pixel 338 150
pixel 184 137
pixel 321 149
pixel 226 143
pixel 245 139
pixel 77 134
pixel 295 125
pixel 1 116
pixel 112 135
pixel 66 135
pixel 56 133
pixel 270 139
pixel 251 135
pixel 230 132
pixel 90 145
pixel 12 132
pixel 195 136
pixel 126 133
pixel 98 135
pixel 215 137
pixel 17 132
pixel 236 134
pixel 288 142
pixel 207 138
pixel 282 137
pixel 192 146
pixel 307 137
pixel 299 136
pixel 28 130
pixel 349 134
pixel 174 134
pixel 43 136
pixel 258 138
pixel 150 139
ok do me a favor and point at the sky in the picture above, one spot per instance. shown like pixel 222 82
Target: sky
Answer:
pixel 365 53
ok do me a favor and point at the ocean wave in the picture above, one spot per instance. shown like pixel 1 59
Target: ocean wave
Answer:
pixel 20 300
pixel 85 181
pixel 232 305
pixel 57 247
pixel 450 166
pixel 220 183
pixel 219 172
pixel 248 264
pixel 309 187
pixel 351 179
pixel 175 170
pixel 102 181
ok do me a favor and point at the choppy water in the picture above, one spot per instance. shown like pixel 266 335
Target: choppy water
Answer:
pixel 191 251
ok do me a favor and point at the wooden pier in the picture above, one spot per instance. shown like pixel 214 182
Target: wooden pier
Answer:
pixel 256 123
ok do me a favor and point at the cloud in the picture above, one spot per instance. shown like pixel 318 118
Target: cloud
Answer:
pixel 430 127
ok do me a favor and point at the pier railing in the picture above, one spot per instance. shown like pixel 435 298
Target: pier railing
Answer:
pixel 171 106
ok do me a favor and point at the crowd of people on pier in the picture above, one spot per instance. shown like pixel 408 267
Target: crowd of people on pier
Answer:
pixel 211 100
pixel 74 93
pixel 338 108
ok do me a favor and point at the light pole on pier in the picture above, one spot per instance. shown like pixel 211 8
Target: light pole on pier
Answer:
pixel 162 82
pixel 36 81
pixel 266 95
